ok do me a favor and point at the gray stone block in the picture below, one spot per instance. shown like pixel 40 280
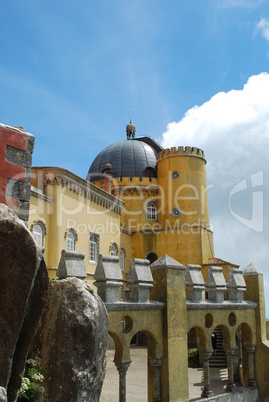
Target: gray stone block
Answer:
pixel 166 261
pixel 251 269
pixel 71 264
pixel 215 284
pixel 139 280
pixel 108 278
pixel 236 285
pixel 195 285
pixel 18 156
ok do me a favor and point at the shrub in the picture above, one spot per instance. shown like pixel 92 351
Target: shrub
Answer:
pixel 31 382
pixel 193 356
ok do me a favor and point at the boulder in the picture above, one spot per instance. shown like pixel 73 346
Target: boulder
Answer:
pixel 23 293
pixel 71 342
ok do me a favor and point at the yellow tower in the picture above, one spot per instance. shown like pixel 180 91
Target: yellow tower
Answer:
pixel 165 195
pixel 183 205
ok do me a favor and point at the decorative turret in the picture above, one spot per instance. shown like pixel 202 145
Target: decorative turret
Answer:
pixel 130 130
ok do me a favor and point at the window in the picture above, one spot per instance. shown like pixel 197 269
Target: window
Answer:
pixel 175 212
pixel 151 211
pixel 122 259
pixel 114 249
pixel 151 256
pixel 175 174
pixel 70 241
pixel 39 230
pixel 38 234
pixel 94 247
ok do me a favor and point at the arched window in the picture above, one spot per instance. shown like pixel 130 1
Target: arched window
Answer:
pixel 94 247
pixel 114 249
pixel 39 230
pixel 151 211
pixel 122 259
pixel 38 234
pixel 151 256
pixel 70 241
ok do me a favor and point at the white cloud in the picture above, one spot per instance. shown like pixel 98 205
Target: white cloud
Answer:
pixel 263 27
pixel 233 130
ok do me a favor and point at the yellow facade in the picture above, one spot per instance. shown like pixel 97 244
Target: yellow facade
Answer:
pixel 61 201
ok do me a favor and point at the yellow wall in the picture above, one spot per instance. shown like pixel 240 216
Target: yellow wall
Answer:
pixel 71 208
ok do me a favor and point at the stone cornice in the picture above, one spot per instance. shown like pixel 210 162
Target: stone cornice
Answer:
pixel 37 193
pixel 69 180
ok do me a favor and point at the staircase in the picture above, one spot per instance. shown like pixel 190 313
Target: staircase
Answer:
pixel 220 359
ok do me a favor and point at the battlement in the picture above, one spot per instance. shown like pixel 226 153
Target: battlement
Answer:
pixel 180 150
pixel 129 181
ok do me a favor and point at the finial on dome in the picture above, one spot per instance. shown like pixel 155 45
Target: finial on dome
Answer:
pixel 130 128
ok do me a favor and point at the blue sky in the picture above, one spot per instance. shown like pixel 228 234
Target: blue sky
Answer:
pixel 194 72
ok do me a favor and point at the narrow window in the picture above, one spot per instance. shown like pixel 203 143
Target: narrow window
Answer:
pixel 94 247
pixel 38 234
pixel 70 241
pixel 151 211
pixel 122 259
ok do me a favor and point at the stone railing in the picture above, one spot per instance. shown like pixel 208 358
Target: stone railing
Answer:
pixel 108 279
pixel 215 286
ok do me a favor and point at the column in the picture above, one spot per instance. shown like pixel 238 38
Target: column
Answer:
pixel 251 365
pixel 206 391
pixel 156 363
pixel 230 363
pixel 122 368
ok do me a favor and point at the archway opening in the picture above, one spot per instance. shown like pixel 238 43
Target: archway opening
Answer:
pixel 137 376
pixel 111 380
pixel 193 350
pixel 151 257
pixel 218 357
pixel 243 338
pixel 196 343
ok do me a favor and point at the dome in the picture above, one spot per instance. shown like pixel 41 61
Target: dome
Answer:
pixel 129 158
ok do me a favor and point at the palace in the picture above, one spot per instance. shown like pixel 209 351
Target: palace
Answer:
pixel 139 200
pixel 140 220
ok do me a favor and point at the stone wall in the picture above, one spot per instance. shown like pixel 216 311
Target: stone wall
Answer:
pixel 16 148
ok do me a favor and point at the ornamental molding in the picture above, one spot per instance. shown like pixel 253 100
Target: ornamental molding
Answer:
pixel 72 182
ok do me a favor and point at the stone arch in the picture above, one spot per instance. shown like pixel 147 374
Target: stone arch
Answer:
pixel 248 333
pixel 244 340
pixel 118 346
pixel 226 335
pixel 200 333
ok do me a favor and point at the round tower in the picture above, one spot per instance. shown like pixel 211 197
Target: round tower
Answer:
pixel 183 205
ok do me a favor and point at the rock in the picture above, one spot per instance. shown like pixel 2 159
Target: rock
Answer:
pixel 3 395
pixel 71 343
pixel 23 294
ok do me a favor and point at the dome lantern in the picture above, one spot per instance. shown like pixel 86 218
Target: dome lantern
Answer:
pixel 130 130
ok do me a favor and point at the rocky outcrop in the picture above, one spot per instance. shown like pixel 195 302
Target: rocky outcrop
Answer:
pixel 71 343
pixel 23 293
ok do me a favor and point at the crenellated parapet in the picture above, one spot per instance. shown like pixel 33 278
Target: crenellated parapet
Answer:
pixel 181 151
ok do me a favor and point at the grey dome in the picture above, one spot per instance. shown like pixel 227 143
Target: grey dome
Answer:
pixel 130 158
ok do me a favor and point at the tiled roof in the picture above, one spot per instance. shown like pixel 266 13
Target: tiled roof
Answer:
pixel 218 261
